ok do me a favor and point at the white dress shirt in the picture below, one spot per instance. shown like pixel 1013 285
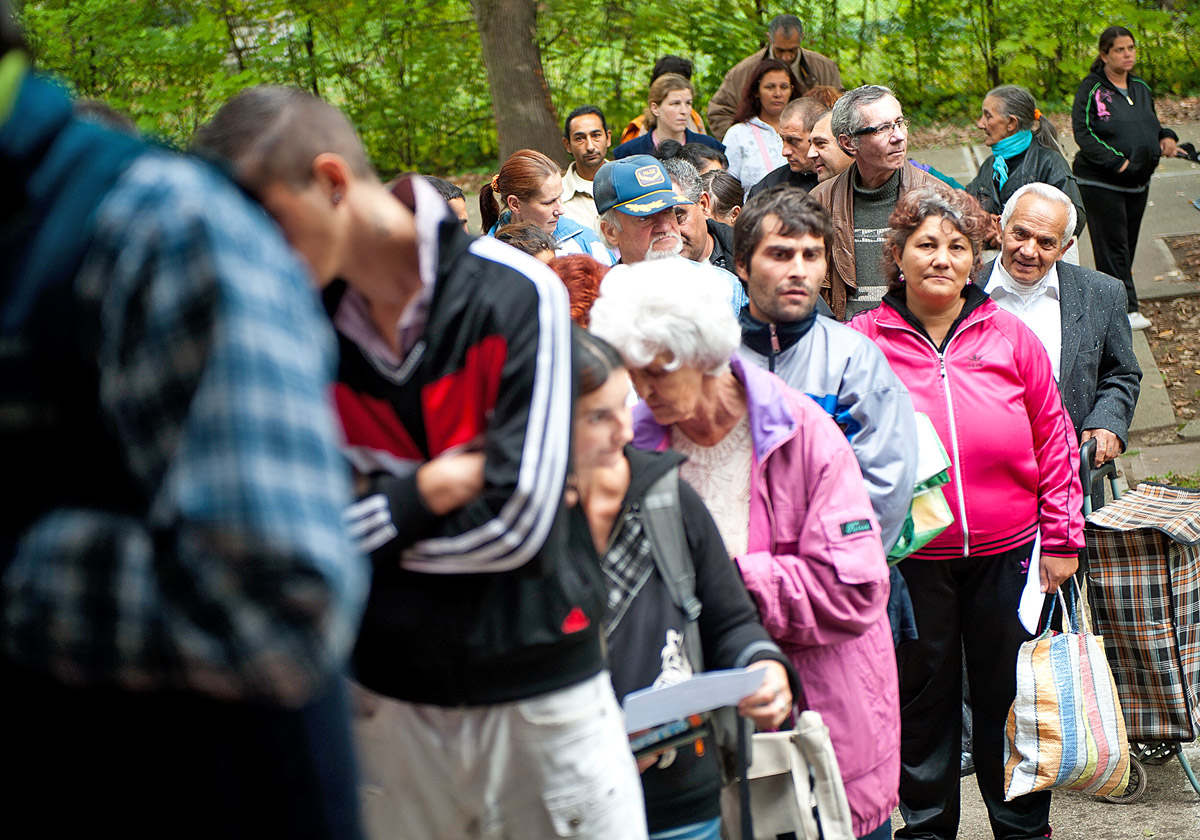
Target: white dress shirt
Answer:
pixel 1038 307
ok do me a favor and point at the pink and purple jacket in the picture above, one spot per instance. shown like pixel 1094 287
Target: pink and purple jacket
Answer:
pixel 816 569
pixel 992 398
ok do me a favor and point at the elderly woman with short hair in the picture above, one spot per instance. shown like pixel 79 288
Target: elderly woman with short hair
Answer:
pixel 789 501
pixel 984 380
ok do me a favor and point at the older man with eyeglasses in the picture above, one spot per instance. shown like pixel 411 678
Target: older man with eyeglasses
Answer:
pixel 870 127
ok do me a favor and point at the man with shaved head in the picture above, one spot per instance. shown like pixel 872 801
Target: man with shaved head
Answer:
pixel 796 122
pixel 484 699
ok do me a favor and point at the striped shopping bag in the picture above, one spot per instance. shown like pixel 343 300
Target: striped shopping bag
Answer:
pixel 1065 728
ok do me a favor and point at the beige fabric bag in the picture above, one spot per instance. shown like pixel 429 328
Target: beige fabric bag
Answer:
pixel 790 773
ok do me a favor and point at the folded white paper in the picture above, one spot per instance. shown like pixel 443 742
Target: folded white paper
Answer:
pixel 702 693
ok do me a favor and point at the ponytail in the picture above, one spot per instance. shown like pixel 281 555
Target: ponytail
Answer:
pixel 489 208
pixel 1016 101
pixel 522 175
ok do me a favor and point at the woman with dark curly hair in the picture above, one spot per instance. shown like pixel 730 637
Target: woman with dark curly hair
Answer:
pixel 753 143
pixel 985 381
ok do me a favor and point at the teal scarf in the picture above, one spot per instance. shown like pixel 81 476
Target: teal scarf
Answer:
pixel 1014 144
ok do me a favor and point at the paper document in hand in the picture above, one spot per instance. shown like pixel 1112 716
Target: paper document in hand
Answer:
pixel 1029 609
pixel 702 693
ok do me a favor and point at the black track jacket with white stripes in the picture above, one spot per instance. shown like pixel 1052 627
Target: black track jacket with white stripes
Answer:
pixel 494 602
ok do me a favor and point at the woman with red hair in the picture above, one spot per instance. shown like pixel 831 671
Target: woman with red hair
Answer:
pixel 581 275
pixel 528 188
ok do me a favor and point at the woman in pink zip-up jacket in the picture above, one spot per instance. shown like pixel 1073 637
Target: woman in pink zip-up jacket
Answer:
pixel 789 501
pixel 985 381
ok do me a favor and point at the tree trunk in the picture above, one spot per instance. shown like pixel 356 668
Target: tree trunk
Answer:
pixel 525 117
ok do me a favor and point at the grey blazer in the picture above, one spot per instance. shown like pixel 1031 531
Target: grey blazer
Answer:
pixel 1099 376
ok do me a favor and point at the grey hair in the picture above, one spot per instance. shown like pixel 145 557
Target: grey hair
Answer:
pixel 672 306
pixel 685 178
pixel 784 23
pixel 613 217
pixel 1050 194
pixel 1016 101
pixel 847 111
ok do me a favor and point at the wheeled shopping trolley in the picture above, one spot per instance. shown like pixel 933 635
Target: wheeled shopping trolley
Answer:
pixel 1143 575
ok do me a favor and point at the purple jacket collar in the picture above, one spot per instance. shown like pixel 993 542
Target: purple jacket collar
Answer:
pixel 771 418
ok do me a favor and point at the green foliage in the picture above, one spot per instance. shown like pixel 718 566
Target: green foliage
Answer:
pixel 412 78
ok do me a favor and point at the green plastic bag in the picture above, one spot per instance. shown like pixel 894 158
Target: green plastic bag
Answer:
pixel 928 514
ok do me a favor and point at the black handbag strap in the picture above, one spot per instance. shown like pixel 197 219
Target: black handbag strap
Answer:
pixel 744 788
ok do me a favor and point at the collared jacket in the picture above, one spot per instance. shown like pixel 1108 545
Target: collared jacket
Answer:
pixel 1111 130
pixel 644 144
pixel 849 377
pixel 991 395
pixel 815 568
pixel 1098 373
pixel 784 175
pixel 570 237
pixel 722 252
pixel 1038 165
pixel 496 601
pixel 811 69
pixel 837 196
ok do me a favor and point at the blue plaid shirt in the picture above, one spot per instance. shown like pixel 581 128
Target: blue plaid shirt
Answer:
pixel 215 362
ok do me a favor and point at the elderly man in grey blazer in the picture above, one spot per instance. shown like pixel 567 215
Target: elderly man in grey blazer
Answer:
pixel 1078 313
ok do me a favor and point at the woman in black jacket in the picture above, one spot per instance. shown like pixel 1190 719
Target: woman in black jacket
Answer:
pixel 1120 141
pixel 645 630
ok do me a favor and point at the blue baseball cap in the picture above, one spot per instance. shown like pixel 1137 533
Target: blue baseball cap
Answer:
pixel 637 186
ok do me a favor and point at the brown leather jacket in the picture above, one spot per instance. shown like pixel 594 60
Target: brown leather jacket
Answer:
pixel 811 69
pixel 837 196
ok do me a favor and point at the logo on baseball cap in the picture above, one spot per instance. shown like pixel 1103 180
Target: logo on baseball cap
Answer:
pixel 637 186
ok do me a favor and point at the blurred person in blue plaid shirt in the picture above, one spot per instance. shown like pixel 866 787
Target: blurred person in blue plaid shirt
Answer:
pixel 178 591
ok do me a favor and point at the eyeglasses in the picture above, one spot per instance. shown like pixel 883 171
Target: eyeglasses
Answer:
pixel 886 128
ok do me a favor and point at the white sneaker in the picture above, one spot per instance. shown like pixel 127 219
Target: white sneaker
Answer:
pixel 1138 321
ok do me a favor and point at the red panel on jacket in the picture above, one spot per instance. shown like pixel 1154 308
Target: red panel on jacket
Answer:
pixel 372 423
pixel 458 405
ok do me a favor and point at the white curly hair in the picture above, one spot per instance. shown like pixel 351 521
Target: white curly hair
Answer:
pixel 674 306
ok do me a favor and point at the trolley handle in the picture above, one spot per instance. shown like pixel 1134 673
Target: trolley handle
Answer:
pixel 1089 474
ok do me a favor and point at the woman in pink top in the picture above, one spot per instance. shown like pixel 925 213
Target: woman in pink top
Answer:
pixel 985 381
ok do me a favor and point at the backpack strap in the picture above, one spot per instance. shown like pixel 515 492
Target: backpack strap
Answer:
pixel 663 522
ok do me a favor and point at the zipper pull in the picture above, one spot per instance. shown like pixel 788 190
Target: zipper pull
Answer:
pixel 774 340
pixel 942 363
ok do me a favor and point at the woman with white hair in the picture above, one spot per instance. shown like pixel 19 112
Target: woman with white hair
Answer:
pixel 789 501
